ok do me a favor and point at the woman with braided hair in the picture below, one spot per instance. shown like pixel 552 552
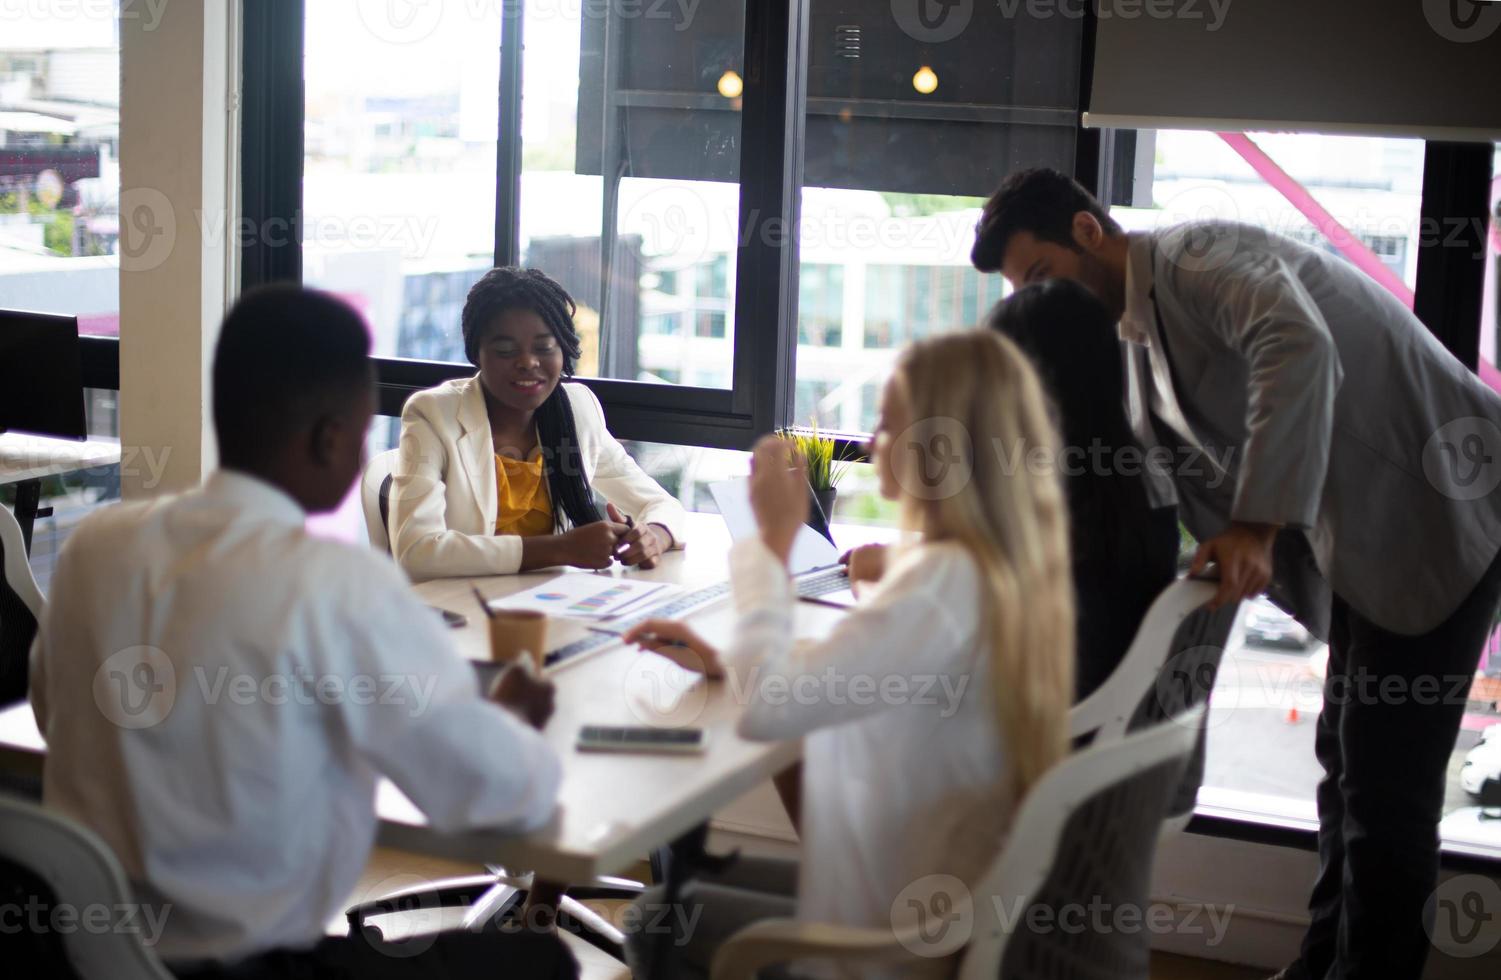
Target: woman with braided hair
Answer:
pixel 497 473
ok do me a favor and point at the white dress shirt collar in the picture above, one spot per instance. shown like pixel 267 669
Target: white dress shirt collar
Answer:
pixel 254 497
pixel 1139 322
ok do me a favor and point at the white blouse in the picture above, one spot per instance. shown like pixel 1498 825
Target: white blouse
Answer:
pixel 904 770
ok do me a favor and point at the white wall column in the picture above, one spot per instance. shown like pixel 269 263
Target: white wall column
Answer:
pixel 179 67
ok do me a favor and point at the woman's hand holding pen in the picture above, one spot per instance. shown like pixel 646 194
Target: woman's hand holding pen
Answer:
pixel 677 642
pixel 641 544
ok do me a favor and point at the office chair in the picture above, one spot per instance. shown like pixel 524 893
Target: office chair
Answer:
pixel 375 499
pixel 1170 666
pixel 47 859
pixel 1086 833
pixel 20 610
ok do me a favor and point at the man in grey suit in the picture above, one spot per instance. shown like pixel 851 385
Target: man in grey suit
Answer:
pixel 1324 447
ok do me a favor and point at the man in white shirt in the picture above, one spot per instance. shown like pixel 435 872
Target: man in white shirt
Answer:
pixel 1321 444
pixel 220 691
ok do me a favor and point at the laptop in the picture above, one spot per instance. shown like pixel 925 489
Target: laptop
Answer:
pixel 814 563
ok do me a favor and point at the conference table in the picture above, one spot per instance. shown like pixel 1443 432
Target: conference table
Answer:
pixel 613 808
pixel 26 460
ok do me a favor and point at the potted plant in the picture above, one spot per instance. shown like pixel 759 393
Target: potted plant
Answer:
pixel 826 464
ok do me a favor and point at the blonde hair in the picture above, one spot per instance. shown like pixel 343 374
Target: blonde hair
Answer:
pixel 974 397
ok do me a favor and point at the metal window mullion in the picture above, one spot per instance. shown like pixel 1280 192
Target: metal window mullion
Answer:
pixel 508 137
pixel 771 176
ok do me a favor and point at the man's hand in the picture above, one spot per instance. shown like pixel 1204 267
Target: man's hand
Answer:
pixel 528 696
pixel 1244 556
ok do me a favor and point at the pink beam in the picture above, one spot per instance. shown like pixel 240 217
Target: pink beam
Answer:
pixel 1297 195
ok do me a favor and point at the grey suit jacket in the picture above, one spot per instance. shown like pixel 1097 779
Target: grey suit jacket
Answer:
pixel 1291 389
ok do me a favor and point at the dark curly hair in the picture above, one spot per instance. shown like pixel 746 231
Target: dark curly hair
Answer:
pixel 513 288
pixel 532 290
pixel 1040 201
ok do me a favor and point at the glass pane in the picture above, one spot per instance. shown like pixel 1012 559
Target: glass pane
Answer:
pixel 399 172
pixel 631 153
pixel 910 125
pixel 60 213
pixel 1355 196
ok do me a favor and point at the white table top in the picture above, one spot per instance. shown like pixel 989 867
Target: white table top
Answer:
pixel 613 808
pixel 27 457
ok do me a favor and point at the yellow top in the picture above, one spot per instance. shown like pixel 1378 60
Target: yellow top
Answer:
pixel 525 508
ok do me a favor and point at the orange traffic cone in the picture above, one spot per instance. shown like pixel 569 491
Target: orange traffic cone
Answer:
pixel 1292 715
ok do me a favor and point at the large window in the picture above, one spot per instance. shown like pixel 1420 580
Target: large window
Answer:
pixel 909 126
pixel 399 162
pixel 60 209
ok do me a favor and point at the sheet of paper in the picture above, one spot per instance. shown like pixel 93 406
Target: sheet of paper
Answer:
pixel 585 596
pixel 809 549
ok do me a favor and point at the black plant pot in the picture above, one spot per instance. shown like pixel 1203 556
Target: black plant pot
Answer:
pixel 825 500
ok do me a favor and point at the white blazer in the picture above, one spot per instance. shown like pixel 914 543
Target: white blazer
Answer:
pixel 444 494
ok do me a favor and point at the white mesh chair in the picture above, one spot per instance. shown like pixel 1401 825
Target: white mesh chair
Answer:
pixel 1086 833
pixel 1171 666
pixel 375 499
pixel 20 609
pixel 42 851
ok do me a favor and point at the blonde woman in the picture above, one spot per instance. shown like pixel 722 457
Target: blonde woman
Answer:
pixel 942 698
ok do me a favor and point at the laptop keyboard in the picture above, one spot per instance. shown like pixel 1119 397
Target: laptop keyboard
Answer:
pixel 823 583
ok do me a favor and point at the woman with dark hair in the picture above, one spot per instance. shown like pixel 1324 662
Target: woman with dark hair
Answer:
pixel 1124 550
pixel 497 473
